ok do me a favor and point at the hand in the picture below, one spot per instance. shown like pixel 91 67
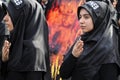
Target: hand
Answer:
pixel 78 48
pixel 5 51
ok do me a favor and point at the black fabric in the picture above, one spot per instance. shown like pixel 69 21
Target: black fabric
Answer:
pixel 15 8
pixel 29 40
pixel 64 69
pixel 114 13
pixel 95 13
pixel 4 35
pixel 100 45
pixel 118 5
pixel 3 30
pixel 103 34
pixel 107 72
pixel 24 75
pixel 2 11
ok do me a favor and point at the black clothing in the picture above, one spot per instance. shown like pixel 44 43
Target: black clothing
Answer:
pixel 118 5
pixel 118 9
pixel 100 45
pixel 2 12
pixel 107 72
pixel 4 35
pixel 29 49
pixel 25 75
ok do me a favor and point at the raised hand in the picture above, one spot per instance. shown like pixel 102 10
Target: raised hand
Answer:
pixel 78 48
pixel 5 51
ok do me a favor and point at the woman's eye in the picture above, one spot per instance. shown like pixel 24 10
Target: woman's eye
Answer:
pixel 86 17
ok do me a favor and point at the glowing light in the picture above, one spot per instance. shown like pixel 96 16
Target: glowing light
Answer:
pixel 63 30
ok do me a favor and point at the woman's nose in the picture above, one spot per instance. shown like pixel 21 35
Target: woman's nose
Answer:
pixel 5 19
pixel 81 20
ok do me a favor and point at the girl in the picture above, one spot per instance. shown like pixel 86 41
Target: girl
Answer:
pixel 97 57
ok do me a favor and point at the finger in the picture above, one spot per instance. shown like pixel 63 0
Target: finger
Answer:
pixel 79 44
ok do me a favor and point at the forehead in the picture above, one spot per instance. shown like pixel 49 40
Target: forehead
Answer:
pixel 83 11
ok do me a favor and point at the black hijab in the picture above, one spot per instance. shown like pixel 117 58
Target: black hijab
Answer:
pixel 29 39
pixel 101 44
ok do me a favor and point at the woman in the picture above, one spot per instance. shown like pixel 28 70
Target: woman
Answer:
pixel 28 55
pixel 4 36
pixel 97 57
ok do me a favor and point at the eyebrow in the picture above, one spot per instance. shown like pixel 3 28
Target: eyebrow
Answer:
pixel 85 14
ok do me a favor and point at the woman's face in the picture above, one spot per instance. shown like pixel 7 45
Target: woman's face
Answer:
pixel 114 3
pixel 85 20
pixel 8 22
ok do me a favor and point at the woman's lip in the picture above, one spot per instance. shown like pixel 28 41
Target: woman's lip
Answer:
pixel 82 26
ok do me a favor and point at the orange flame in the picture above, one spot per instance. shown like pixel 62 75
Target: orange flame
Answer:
pixel 63 28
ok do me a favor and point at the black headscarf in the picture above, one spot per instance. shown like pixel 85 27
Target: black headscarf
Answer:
pixel 2 11
pixel 101 44
pixel 100 17
pixel 29 39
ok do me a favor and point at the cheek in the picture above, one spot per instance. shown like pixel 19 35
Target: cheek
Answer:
pixel 90 26
pixel 10 27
